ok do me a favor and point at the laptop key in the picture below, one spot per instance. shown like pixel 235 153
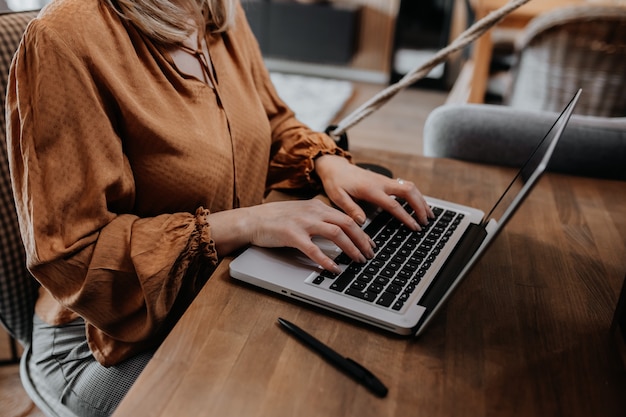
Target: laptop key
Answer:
pixel 386 299
pixel 401 256
pixel 388 273
pixel 341 282
pixel 358 285
pixel 343 259
pixel 375 288
pixel 382 280
pixel 318 280
pixel 400 281
pixel 327 274
pixel 365 277
pixel 404 273
pixel 398 305
pixel 363 295
pixel 394 289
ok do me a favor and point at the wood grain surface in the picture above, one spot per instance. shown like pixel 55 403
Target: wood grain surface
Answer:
pixel 527 333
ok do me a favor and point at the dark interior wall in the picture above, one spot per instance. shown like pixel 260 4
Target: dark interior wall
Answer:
pixel 315 32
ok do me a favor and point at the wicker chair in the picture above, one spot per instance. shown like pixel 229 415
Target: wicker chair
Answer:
pixel 18 289
pixel 558 53
pixel 581 46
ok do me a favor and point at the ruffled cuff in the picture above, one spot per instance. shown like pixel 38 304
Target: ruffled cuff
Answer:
pixel 293 168
pixel 309 170
pixel 201 241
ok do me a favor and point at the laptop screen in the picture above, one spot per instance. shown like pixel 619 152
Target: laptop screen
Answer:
pixel 534 166
pixel 499 215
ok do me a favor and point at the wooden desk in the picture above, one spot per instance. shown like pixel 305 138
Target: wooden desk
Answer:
pixel 483 46
pixel 527 333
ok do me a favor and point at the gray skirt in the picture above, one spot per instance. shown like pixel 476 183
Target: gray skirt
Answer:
pixel 62 365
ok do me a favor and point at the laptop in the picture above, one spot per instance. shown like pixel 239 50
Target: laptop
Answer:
pixel 412 274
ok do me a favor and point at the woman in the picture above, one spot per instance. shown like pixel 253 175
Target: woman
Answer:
pixel 143 136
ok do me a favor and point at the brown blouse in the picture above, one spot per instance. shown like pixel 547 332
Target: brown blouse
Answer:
pixel 116 158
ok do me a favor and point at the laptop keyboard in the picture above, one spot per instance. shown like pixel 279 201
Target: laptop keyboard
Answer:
pixel 402 258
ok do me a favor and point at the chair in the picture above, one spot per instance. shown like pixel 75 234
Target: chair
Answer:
pixel 568 48
pixel 18 289
pixel 559 52
pixel 492 134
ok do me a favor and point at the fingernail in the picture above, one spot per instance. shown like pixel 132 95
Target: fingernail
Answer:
pixel 416 226
pixel 372 243
pixel 335 268
pixel 360 220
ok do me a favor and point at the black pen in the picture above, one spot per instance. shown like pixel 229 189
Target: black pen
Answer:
pixel 347 365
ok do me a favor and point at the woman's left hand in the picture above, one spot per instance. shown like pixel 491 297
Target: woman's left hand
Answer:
pixel 344 183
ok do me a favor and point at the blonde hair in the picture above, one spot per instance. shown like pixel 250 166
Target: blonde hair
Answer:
pixel 172 22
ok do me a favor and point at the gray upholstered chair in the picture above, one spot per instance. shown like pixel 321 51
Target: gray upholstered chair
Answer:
pixel 558 53
pixel 18 289
pixel 501 135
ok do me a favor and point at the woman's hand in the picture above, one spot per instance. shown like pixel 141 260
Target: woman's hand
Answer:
pixel 344 182
pixel 291 224
pixel 295 223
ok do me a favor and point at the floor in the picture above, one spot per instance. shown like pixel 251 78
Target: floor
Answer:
pixel 396 126
pixel 13 400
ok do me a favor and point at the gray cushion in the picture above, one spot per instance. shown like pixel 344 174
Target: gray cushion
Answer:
pixel 501 135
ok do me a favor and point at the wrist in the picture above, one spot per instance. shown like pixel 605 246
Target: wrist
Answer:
pixel 324 165
pixel 230 229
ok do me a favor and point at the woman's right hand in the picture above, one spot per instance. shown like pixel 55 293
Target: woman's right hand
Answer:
pixel 290 224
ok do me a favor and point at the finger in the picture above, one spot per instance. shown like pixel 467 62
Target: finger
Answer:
pixel 339 228
pixel 332 233
pixel 348 236
pixel 393 207
pixel 409 192
pixel 347 204
pixel 314 253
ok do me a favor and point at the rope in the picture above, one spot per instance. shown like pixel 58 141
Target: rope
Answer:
pixel 464 39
